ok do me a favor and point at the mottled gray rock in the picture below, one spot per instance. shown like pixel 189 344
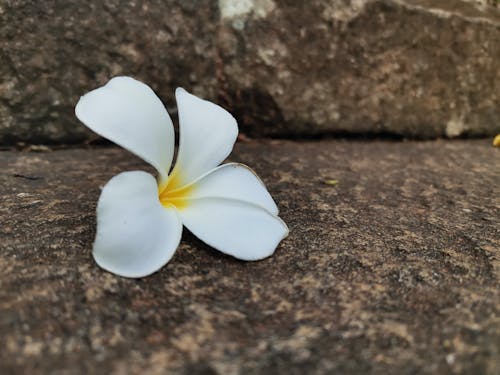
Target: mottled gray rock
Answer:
pixel 393 270
pixel 414 68
pixel 54 51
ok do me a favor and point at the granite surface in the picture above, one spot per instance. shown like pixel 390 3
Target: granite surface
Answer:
pixel 408 68
pixel 391 267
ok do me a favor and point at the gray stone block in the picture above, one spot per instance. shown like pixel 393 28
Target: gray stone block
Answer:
pixel 415 68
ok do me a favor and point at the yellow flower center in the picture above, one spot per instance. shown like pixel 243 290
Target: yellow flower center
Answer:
pixel 171 193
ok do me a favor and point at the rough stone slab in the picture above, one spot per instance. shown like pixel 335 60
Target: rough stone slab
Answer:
pixel 393 270
pixel 412 68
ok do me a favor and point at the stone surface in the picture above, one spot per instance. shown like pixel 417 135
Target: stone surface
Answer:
pixel 393 270
pixel 412 68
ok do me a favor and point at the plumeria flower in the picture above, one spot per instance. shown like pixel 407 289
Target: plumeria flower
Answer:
pixel 140 218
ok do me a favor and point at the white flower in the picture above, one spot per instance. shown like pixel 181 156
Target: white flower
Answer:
pixel 139 219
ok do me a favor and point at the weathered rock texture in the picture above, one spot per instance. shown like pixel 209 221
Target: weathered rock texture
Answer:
pixel 414 68
pixel 394 270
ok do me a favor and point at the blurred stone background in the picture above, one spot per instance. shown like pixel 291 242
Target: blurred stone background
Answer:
pixel 416 69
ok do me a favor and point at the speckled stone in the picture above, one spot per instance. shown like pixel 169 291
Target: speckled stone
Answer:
pixel 392 270
pixel 407 68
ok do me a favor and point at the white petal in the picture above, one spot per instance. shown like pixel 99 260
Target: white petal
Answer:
pixel 233 181
pixel 207 136
pixel 136 235
pixel 129 113
pixel 236 228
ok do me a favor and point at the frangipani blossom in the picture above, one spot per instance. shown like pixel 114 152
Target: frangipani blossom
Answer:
pixel 140 218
